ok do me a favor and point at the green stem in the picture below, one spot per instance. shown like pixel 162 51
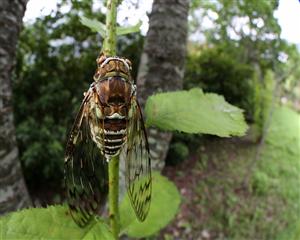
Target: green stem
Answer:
pixel 113 197
pixel 110 43
pixel 109 48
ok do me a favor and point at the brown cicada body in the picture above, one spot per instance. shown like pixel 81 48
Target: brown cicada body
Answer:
pixel 109 122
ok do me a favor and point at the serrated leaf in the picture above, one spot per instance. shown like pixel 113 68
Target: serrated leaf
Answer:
pixel 94 25
pixel 130 29
pixel 164 206
pixel 195 112
pixel 49 223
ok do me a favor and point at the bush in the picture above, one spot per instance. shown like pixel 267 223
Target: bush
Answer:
pixel 262 99
pixel 215 70
pixel 177 153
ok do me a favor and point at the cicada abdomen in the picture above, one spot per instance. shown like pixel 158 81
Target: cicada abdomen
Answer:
pixel 109 121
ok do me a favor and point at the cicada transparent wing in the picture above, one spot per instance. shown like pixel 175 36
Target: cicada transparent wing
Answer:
pixel 86 174
pixel 138 168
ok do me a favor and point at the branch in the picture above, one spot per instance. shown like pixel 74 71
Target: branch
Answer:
pixel 109 48
pixel 113 197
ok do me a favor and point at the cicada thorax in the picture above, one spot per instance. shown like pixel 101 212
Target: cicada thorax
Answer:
pixel 110 104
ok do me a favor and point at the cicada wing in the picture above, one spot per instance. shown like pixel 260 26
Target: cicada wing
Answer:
pixel 138 164
pixel 86 174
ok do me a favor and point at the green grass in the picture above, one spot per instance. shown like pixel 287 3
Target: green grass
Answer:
pixel 270 207
pixel 281 164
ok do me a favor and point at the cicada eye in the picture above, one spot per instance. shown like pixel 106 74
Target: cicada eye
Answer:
pixel 101 59
pixel 129 63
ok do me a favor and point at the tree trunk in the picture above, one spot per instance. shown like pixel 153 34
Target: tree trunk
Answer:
pixel 13 192
pixel 162 64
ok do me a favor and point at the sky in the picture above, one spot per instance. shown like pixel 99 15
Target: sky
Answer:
pixel 288 15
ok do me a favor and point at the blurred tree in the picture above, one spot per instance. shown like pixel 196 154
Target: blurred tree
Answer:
pixel 162 63
pixel 291 85
pixel 247 29
pixel 13 190
pixel 249 35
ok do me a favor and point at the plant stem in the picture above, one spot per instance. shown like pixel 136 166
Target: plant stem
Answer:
pixel 113 197
pixel 109 47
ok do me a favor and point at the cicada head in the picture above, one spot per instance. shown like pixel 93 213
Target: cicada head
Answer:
pixel 113 67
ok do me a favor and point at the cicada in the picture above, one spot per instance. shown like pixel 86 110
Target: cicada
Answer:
pixel 109 123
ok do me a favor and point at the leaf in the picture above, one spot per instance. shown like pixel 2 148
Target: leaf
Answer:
pixel 130 29
pixel 49 223
pixel 94 25
pixel 97 26
pixel 164 205
pixel 195 112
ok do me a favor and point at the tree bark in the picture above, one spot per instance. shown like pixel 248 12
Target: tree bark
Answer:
pixel 162 64
pixel 13 191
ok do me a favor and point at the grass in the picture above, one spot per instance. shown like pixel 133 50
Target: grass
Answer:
pixel 281 164
pixel 273 203
pixel 219 206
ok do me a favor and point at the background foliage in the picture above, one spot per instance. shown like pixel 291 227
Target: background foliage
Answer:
pixel 55 64
pixel 242 57
pixel 215 70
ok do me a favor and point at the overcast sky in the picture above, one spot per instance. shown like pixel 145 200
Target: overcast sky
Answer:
pixel 288 15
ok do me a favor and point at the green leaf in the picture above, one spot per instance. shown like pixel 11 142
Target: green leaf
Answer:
pixel 164 206
pixel 195 112
pixel 94 25
pixel 97 26
pixel 130 29
pixel 49 223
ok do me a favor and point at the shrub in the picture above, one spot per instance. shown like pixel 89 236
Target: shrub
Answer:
pixel 215 70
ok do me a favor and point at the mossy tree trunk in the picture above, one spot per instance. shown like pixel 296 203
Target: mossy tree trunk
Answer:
pixel 162 63
pixel 13 191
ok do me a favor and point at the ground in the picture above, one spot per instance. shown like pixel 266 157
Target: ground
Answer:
pixel 229 193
